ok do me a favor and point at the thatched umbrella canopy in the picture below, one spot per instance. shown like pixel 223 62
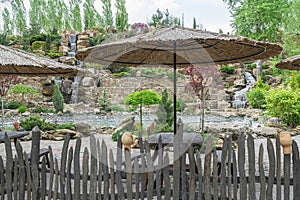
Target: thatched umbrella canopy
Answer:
pixel 291 63
pixel 21 63
pixel 191 47
pixel 178 47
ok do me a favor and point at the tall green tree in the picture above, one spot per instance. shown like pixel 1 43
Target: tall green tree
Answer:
pixel 90 15
pixel 7 21
pixel 291 36
pixel 19 16
pixel 163 19
pixel 57 17
pixel 75 16
pixel 107 13
pixel 36 17
pixel 121 16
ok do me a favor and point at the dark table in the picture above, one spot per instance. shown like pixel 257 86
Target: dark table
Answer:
pixel 13 135
pixel 194 139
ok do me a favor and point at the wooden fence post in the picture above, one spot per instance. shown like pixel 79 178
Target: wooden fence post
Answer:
pixel 286 142
pixel 35 146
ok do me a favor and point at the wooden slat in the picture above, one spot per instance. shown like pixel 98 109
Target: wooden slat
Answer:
pixel 262 173
pixel 28 176
pixel 22 175
pixel 183 189
pixel 278 170
pixel 207 168
pixel 137 178
pixel 128 174
pixel 51 162
pixel 215 176
pixel 8 167
pixel 99 176
pixel 35 182
pixel 177 162
pixel 158 169
pixel 192 176
pixel 148 172
pixel 77 169
pixel 296 170
pixel 143 164
pixel 112 174
pixel 199 170
pixel 85 173
pixel 223 169
pixel 271 155
pixel 287 174
pixel 93 179
pixel 229 171
pixel 69 171
pixel 234 176
pixel 43 179
pixel 63 164
pixel 105 171
pixel 15 178
pixel 2 179
pixel 241 166
pixel 119 170
pixel 56 180
pixel 251 161
pixel 167 177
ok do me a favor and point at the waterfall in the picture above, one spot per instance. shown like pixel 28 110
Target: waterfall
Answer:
pixel 239 97
pixel 77 79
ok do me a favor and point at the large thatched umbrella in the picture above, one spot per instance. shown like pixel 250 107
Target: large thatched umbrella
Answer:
pixel 15 62
pixel 21 63
pixel 178 47
pixel 291 63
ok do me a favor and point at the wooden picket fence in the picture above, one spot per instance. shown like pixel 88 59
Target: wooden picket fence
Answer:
pixel 101 174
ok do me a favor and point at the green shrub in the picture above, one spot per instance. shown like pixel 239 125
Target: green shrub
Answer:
pixel 117 108
pixel 13 105
pixel 250 66
pixel 65 126
pixel 116 69
pixel 38 37
pixel 22 109
pixel 53 54
pixel 30 122
pixel 38 45
pixel 40 109
pixel 159 128
pixel 257 98
pixel 284 104
pixel 57 99
pixel 104 103
pixel 121 74
pixel 227 69
pixel 116 134
pixel 180 106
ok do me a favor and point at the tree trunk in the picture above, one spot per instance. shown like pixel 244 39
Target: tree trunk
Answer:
pixel 259 68
pixel 2 106
pixel 141 117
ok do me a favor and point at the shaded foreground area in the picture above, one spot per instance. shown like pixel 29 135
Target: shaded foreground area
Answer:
pixel 103 174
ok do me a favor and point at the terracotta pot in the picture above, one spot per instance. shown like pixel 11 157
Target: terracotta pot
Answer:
pixel 286 142
pixel 127 140
pixel 16 126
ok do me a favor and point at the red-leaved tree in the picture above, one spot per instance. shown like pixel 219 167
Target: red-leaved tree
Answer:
pixel 197 85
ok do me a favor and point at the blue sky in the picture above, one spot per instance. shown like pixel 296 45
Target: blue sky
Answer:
pixel 212 14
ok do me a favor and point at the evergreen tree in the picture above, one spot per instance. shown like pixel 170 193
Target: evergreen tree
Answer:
pixel 121 16
pixel 19 16
pixel 90 16
pixel 194 23
pixel 7 22
pixel 107 13
pixel 75 16
pixel 57 98
pixel 163 19
pixel 36 17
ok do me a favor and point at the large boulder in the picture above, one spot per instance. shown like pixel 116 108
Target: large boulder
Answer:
pixel 60 134
pixel 127 124
pixel 83 128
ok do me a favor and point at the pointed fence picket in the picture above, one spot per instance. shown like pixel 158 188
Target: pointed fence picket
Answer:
pixel 101 174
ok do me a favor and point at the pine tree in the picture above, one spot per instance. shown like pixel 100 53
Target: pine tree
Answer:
pixel 107 13
pixel 91 16
pixel 7 22
pixel 75 16
pixel 19 16
pixel 57 98
pixel 121 16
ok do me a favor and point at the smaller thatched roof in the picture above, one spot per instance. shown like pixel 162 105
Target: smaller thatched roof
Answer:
pixel 22 63
pixel 291 63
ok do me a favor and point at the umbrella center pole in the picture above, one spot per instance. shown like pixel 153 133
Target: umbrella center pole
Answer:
pixel 175 86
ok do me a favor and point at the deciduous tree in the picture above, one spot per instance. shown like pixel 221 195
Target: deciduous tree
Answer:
pixel 107 13
pixel 121 16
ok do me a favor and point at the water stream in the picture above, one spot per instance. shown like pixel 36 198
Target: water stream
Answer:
pixel 239 97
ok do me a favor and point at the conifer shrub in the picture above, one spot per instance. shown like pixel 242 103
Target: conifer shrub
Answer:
pixel 57 98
